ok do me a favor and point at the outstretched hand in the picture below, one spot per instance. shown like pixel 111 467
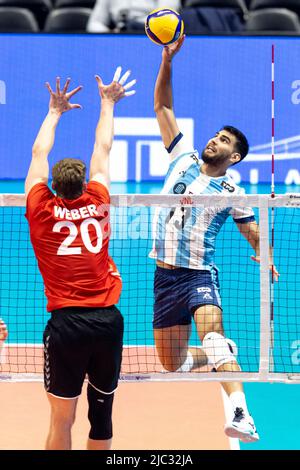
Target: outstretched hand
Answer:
pixel 272 268
pixel 117 89
pixel 171 50
pixel 59 100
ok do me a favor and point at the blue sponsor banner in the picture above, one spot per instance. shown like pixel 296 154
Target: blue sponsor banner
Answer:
pixel 217 81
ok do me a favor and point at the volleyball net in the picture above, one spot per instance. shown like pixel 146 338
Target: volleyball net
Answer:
pixel 260 316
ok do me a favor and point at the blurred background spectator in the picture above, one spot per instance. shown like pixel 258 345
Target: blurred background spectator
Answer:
pixel 214 16
pixel 124 15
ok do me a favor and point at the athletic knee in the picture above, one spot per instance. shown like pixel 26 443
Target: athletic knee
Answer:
pixel 216 327
pixel 219 350
pixel 171 367
pixel 100 414
pixel 170 364
pixel 181 363
pixel 62 420
pixel 208 327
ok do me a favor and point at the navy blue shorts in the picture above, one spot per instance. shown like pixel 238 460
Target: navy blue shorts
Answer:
pixel 179 292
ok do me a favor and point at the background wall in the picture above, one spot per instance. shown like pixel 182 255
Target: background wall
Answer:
pixel 217 80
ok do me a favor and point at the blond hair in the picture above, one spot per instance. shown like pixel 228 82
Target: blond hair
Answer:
pixel 68 178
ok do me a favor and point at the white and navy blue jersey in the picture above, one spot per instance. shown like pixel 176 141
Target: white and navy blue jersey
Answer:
pixel 186 236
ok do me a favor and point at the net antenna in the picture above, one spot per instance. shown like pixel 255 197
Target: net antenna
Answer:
pixel 272 215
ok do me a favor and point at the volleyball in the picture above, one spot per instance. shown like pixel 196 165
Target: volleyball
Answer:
pixel 164 26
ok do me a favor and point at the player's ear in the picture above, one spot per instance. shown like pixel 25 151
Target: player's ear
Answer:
pixel 53 186
pixel 235 158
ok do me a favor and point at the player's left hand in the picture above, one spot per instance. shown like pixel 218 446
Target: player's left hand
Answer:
pixel 272 267
pixel 117 89
pixel 172 49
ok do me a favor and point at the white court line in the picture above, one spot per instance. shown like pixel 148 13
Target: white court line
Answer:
pixel 234 443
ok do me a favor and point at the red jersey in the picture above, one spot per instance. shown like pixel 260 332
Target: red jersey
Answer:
pixel 70 239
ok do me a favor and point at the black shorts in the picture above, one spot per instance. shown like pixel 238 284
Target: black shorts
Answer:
pixel 80 341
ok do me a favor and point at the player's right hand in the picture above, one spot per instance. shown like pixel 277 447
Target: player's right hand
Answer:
pixel 272 268
pixel 172 49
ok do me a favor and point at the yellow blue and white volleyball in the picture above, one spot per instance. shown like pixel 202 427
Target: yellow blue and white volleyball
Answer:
pixel 164 26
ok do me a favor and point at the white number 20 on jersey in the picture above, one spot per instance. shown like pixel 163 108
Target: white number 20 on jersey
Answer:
pixel 66 249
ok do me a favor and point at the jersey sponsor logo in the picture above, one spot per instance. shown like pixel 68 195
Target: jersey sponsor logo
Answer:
pixel 179 188
pixel 227 186
pixel 203 289
pixel 207 296
pixel 195 158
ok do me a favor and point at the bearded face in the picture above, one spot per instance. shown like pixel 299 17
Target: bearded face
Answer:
pixel 214 157
pixel 219 149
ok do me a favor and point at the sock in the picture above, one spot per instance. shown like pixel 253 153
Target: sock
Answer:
pixel 188 363
pixel 238 400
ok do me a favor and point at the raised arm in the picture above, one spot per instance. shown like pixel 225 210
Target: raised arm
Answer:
pixel 250 231
pixel 59 103
pixel 110 95
pixel 163 95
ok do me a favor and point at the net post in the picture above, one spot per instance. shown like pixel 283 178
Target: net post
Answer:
pixel 265 346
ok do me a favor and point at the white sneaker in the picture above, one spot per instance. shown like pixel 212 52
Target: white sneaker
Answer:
pixel 242 427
